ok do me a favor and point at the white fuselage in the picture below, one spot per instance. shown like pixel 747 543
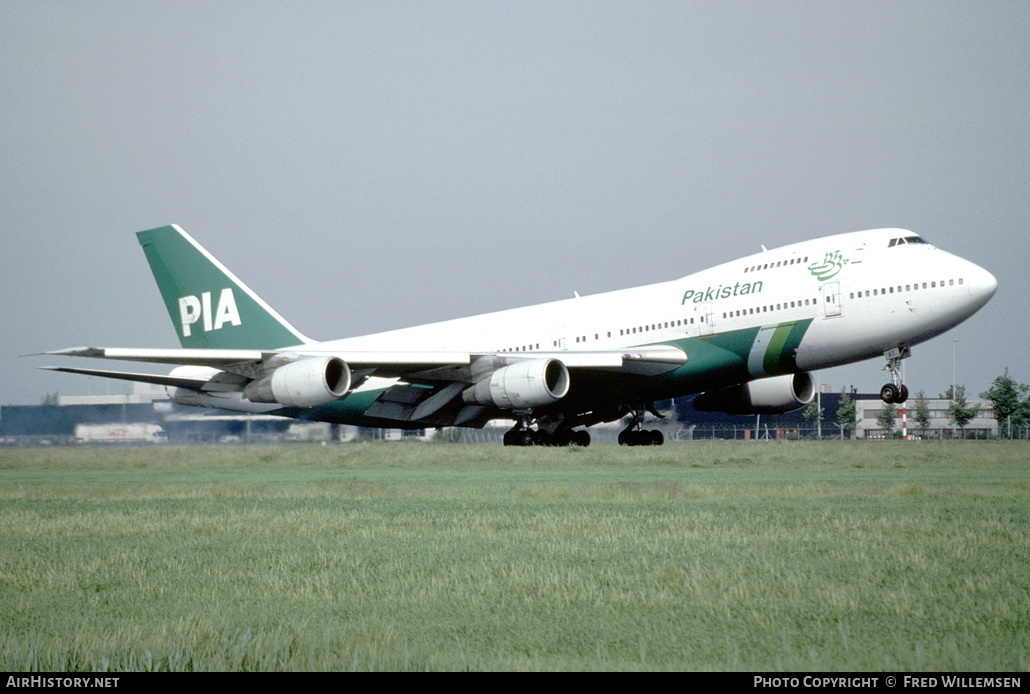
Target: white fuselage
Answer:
pixel 866 292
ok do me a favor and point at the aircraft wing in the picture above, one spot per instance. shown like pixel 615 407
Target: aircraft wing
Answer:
pixel 252 363
pixel 416 365
pixel 421 386
pixel 156 379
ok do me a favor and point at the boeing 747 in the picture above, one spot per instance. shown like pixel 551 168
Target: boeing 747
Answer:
pixel 745 335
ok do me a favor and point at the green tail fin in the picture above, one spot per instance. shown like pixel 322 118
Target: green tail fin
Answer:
pixel 209 306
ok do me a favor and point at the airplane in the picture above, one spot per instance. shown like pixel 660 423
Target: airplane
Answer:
pixel 744 335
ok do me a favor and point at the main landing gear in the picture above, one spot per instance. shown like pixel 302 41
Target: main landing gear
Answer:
pixel 633 435
pixel 522 435
pixel 895 392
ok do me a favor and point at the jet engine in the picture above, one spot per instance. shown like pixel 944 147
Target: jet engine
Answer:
pixel 524 384
pixel 307 382
pixel 774 395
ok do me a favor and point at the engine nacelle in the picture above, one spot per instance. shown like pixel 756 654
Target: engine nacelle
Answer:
pixel 307 382
pixel 774 395
pixel 524 384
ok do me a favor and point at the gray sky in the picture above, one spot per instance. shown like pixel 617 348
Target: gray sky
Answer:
pixel 373 165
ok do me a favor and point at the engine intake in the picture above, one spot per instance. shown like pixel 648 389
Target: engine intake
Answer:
pixel 529 383
pixel 307 382
pixel 774 395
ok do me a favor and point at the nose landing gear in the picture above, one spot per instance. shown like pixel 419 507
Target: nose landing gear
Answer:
pixel 895 392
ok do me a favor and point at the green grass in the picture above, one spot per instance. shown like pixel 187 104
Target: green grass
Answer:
pixel 699 556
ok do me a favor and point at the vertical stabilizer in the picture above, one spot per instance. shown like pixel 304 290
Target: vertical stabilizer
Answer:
pixel 210 308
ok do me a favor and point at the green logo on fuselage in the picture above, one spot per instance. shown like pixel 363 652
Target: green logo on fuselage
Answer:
pixel 833 263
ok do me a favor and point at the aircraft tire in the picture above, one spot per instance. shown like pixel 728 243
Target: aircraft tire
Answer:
pixel 580 438
pixel 889 393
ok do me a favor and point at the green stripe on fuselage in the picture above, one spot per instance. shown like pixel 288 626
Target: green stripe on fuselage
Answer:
pixel 781 355
pixel 721 360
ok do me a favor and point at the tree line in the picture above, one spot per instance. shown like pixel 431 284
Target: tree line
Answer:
pixel 1011 401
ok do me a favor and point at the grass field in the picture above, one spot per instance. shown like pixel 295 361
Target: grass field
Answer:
pixel 693 556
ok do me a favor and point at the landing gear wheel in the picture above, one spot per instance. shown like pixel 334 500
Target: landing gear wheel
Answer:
pixel 903 394
pixel 580 438
pixel 518 437
pixel 893 394
pixel 641 437
pixel 889 393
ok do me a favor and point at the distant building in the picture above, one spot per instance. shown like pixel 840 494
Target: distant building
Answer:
pixel 984 425
pixel 147 415
pixel 80 418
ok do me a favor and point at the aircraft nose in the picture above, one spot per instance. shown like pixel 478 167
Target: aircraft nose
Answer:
pixel 982 284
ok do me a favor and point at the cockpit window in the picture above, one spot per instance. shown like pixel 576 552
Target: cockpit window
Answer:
pixel 907 239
